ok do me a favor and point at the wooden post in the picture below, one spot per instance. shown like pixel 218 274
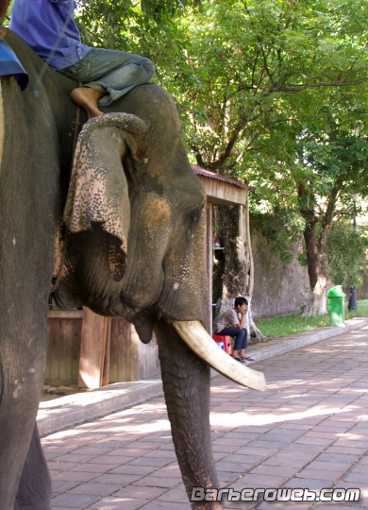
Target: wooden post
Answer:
pixel 94 358
pixel 209 258
pixel 106 365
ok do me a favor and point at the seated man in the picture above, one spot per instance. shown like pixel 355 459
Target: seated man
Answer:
pixel 48 27
pixel 230 324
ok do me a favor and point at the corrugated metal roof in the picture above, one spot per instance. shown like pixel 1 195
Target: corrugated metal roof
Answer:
pixel 211 175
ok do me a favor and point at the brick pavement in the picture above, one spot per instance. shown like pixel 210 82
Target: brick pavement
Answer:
pixel 309 429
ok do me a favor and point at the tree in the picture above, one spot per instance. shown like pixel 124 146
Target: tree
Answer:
pixel 145 27
pixel 246 62
pixel 333 161
pixel 251 79
pixel 257 75
pixel 347 254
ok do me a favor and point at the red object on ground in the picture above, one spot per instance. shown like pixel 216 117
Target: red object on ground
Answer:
pixel 224 342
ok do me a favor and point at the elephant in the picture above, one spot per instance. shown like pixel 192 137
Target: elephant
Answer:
pixel 114 220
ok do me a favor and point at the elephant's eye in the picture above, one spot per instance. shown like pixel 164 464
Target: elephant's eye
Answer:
pixel 195 215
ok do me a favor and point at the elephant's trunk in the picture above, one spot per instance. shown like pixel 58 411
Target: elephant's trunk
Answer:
pixel 186 382
pixel 199 341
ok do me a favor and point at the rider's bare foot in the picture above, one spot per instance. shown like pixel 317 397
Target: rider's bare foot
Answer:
pixel 87 98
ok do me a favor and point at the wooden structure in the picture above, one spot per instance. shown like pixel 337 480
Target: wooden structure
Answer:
pixel 63 347
pixel 91 350
pixel 219 191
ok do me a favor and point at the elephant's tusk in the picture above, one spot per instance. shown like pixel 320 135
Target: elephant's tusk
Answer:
pixel 197 338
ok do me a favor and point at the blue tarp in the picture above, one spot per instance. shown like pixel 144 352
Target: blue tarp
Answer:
pixel 10 65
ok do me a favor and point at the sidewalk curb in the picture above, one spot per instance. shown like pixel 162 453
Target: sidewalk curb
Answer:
pixel 71 410
pixel 75 409
pixel 304 339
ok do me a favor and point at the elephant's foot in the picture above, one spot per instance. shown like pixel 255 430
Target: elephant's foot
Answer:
pixel 34 492
pixel 87 98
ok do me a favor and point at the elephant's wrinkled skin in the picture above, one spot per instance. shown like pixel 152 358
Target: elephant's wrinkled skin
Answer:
pixel 158 274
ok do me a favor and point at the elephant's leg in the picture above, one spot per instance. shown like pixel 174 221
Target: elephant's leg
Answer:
pixel 186 382
pixel 26 260
pixel 22 365
pixel 34 492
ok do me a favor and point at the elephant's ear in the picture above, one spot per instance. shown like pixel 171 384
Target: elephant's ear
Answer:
pixel 98 190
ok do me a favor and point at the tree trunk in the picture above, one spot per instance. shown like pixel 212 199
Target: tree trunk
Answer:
pixel 317 256
pixel 307 212
pixel 253 330
pixel 316 304
pixel 235 277
pixel 255 335
pixel 233 266
pixel 312 255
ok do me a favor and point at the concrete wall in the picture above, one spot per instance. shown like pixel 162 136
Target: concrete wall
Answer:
pixel 278 288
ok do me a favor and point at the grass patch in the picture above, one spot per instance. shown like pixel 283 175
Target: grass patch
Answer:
pixel 295 323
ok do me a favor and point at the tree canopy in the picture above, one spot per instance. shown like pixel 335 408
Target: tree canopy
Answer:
pixel 269 91
pixel 272 92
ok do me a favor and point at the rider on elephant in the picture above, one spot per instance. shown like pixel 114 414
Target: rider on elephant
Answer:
pixel 48 27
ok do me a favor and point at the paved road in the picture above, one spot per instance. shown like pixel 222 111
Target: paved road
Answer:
pixel 309 430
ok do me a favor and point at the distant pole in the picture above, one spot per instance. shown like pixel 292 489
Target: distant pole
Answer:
pixel 352 304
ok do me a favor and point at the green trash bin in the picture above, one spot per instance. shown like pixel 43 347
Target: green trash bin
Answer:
pixel 335 299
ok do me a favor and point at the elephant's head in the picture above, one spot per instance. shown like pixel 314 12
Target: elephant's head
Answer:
pixel 135 247
pixel 136 213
